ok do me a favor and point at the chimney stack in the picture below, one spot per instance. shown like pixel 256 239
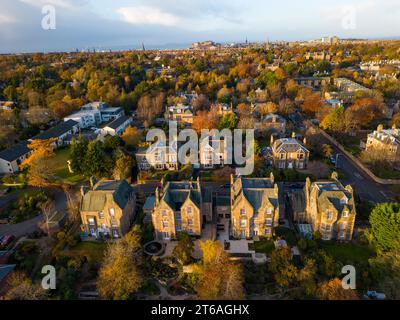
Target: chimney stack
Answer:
pixel 93 182
pixel 380 128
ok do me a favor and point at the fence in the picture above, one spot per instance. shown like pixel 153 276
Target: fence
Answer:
pixel 357 161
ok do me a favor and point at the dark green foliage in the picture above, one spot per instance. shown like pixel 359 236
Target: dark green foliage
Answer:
pixel 385 226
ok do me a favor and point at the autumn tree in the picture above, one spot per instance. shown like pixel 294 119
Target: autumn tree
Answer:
pixel 267 108
pixel 283 270
pixel 131 136
pixel 120 275
pixel 151 106
pixel 123 166
pixel 228 121
pixel 333 290
pixel 40 173
pixel 205 120
pixel 184 248
pixel 22 288
pixel 306 277
pixel 385 271
pixel 215 268
pixel 363 112
pixel 396 120
pixel 201 103
pixel 312 103
pixel 224 95
pixel 37 115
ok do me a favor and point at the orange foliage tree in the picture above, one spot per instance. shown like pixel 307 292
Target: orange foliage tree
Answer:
pixel 40 173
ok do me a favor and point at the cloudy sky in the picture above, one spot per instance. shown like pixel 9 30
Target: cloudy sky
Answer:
pixel 172 23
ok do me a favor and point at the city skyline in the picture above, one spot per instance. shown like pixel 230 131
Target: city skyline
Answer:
pixel 127 24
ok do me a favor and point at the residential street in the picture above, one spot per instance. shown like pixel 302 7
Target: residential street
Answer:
pixel 31 225
pixel 362 184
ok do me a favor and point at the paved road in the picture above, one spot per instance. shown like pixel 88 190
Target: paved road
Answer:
pixel 29 226
pixel 21 229
pixel 363 185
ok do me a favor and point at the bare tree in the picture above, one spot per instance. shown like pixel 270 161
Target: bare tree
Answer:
pixel 48 208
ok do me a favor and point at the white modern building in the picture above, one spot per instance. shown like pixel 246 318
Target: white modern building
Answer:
pixel 117 127
pixel 12 158
pixel 95 113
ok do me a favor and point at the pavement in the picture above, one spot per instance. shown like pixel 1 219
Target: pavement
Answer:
pixel 362 184
pixel 29 226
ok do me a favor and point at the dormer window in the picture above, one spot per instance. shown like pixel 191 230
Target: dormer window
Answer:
pixel 345 214
pixel 164 213
pixel 189 210
pixel 330 215
pixel 344 200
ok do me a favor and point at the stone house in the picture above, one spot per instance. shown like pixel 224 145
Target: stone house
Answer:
pixel 180 113
pixel 108 209
pixel 289 153
pixel 181 207
pixel 254 207
pixel 330 208
pixel 385 142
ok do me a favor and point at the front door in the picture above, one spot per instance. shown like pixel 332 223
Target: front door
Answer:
pixel 166 236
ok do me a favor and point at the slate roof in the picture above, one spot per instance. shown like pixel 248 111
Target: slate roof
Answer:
pixel 118 122
pixel 56 131
pixel 259 193
pixel 95 199
pixel 386 136
pixel 15 152
pixel 176 194
pixel 289 145
pixel 150 203
pixel 331 194
pixel 274 118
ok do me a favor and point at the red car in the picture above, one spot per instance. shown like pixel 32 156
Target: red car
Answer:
pixel 6 240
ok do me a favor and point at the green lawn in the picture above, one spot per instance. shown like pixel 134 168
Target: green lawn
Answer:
pixel 263 246
pixel 93 251
pixel 60 166
pixel 385 173
pixel 348 252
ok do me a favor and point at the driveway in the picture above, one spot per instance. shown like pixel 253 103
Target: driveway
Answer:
pixel 237 246
pixel 29 226
pixel 21 229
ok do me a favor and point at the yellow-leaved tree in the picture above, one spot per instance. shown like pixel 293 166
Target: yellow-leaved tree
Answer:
pixel 120 275
pixel 40 173
pixel 215 268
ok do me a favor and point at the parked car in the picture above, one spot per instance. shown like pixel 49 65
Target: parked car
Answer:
pixel 373 295
pixel 6 241
pixel 332 159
